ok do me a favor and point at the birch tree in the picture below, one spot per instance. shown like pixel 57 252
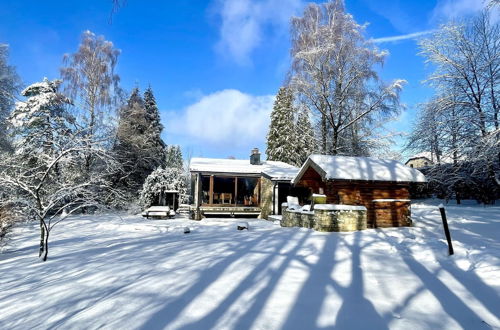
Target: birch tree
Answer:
pixel 9 86
pixel 91 81
pixel 334 75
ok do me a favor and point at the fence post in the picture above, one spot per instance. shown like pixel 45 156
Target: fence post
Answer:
pixel 446 229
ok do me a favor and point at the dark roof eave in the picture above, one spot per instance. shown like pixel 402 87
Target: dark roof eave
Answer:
pixel 374 181
pixel 225 173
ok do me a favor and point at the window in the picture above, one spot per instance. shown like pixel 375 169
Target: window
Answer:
pixel 248 192
pixel 223 190
pixel 230 191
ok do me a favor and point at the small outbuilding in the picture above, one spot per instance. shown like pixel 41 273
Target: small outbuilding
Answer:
pixel 382 186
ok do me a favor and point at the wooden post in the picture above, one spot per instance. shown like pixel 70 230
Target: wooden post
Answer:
pixel 446 229
pixel 235 190
pixel 211 191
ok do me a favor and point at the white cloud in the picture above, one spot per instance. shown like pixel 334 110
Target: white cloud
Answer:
pixel 414 35
pixel 453 9
pixel 243 21
pixel 227 119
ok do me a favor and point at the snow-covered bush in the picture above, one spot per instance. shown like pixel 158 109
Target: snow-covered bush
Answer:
pixel 162 180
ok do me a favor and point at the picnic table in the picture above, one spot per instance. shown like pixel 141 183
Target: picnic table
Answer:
pixel 158 211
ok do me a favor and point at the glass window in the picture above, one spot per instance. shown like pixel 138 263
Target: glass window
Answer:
pixel 248 192
pixel 223 190
pixel 205 189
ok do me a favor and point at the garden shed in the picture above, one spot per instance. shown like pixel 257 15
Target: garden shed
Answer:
pixel 382 186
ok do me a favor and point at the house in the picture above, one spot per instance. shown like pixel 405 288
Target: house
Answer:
pixel 420 160
pixel 379 185
pixel 240 187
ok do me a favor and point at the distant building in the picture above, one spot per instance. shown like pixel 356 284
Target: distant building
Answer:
pixel 420 160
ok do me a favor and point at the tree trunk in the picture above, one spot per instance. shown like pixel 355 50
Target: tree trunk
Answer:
pixel 46 246
pixel 335 141
pixel 42 239
pixel 323 134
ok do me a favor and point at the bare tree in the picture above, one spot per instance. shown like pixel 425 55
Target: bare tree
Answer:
pixel 92 83
pixel 9 87
pixel 333 74
pixel 460 125
pixel 467 60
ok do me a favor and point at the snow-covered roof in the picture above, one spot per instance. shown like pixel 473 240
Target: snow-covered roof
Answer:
pixel 444 159
pixel 424 154
pixel 272 169
pixel 360 168
pixel 279 172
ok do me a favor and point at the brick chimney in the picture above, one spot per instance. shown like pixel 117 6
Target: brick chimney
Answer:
pixel 255 157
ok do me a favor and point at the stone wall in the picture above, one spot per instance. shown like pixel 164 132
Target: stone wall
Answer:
pixel 340 220
pixel 327 220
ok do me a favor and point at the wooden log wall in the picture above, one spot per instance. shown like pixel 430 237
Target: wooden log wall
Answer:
pixel 386 214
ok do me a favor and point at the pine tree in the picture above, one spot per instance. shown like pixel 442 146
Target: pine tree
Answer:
pixel 132 147
pixel 174 157
pixel 281 139
pixel 39 121
pixel 153 117
pixel 155 142
pixel 306 143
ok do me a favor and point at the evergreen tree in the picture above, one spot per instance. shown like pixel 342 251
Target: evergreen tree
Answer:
pixel 41 121
pixel 306 143
pixel 281 139
pixel 174 157
pixel 133 148
pixel 155 127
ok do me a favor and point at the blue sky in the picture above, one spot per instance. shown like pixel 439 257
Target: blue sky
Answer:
pixel 214 65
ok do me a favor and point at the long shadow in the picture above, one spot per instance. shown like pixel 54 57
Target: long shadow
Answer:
pixel 449 301
pixel 245 321
pixel 313 292
pixel 356 311
pixel 260 300
pixel 469 279
pixel 172 309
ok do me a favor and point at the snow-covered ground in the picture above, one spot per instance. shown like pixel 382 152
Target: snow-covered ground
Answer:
pixel 128 273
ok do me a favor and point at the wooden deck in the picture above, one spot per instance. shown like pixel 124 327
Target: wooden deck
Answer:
pixel 230 210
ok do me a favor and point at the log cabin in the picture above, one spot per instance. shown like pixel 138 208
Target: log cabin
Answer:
pixel 382 186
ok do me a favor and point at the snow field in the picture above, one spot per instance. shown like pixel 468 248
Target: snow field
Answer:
pixel 120 271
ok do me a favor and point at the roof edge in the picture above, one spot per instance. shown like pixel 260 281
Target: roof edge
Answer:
pixel 308 162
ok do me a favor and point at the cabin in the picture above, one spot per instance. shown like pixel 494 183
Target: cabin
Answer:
pixel 380 186
pixel 239 187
